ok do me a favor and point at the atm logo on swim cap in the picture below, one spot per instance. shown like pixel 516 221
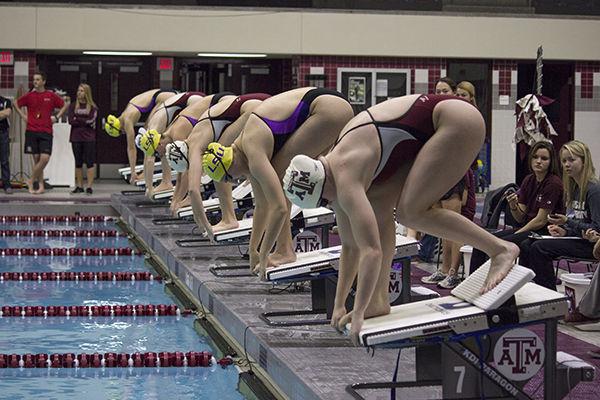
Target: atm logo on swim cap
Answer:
pixel 301 180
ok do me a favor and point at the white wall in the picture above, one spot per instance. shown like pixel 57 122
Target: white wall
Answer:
pixel 587 129
pixel 191 30
pixel 503 151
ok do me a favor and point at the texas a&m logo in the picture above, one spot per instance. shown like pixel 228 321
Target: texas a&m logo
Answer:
pixel 306 241
pixel 519 354
pixel 300 184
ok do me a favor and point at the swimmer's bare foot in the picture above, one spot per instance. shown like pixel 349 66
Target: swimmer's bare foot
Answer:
pixel 501 264
pixel 40 190
pixel 223 226
pixel 163 187
pixel 185 202
pixel 279 258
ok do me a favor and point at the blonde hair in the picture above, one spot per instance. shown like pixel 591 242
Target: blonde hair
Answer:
pixel 469 88
pixel 588 173
pixel 87 90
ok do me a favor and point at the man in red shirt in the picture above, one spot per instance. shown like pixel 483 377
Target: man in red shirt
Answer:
pixel 40 105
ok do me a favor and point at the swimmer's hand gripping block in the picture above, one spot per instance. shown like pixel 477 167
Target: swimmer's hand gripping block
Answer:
pixel 468 290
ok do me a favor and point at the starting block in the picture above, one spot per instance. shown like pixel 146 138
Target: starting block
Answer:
pixel 242 193
pixel 126 171
pixel 157 177
pixel 480 347
pixel 163 195
pixel 316 265
pixel 168 194
pixel 310 218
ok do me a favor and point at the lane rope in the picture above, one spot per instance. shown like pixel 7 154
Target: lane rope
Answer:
pixel 60 233
pixel 61 251
pixel 113 360
pixel 79 276
pixel 56 218
pixel 127 310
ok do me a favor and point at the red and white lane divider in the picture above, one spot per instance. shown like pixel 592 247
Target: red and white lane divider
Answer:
pixel 61 251
pixel 56 218
pixel 127 310
pixel 59 233
pixel 112 360
pixel 79 276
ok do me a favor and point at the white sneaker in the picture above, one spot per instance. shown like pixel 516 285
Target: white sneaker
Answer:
pixel 450 282
pixel 436 277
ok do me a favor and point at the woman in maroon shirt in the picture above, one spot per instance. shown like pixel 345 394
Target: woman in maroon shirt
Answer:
pixel 540 194
pixel 82 117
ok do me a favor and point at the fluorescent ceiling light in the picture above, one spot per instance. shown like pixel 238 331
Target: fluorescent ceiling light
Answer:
pixel 230 55
pixel 118 53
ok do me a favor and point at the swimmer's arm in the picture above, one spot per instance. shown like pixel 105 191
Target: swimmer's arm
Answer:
pixel 195 180
pixel 259 218
pixel 353 200
pixel 277 212
pixel 148 173
pixel 348 258
pixel 180 188
pixel 224 191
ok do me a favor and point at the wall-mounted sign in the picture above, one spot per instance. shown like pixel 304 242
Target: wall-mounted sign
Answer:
pixel 6 58
pixel 165 63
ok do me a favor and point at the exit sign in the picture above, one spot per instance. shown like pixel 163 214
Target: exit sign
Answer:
pixel 165 63
pixel 6 58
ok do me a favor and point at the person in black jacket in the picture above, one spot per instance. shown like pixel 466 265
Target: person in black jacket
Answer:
pixel 5 111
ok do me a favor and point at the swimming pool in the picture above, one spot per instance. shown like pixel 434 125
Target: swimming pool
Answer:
pixel 97 334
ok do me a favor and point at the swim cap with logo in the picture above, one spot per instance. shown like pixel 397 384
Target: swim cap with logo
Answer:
pixel 149 141
pixel 112 126
pixel 303 182
pixel 177 155
pixel 216 161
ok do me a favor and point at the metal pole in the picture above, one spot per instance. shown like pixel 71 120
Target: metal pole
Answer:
pixel 539 64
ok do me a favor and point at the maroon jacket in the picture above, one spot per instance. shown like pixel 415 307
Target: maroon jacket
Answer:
pixel 83 123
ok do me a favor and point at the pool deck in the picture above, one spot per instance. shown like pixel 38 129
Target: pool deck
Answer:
pixel 306 362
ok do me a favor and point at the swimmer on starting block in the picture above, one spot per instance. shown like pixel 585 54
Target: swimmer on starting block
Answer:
pixel 299 121
pixel 141 106
pixel 165 127
pixel 221 123
pixel 404 153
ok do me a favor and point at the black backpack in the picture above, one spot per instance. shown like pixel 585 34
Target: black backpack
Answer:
pixel 495 203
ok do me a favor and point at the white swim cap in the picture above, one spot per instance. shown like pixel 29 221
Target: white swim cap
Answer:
pixel 177 155
pixel 303 182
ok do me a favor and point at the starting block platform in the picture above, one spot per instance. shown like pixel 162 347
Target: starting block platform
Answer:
pixel 157 177
pixel 126 171
pixel 478 348
pixel 316 266
pixel 323 262
pixel 305 219
pixel 168 194
pixel 242 193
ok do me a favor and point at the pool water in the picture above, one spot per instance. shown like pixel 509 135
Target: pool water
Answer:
pixel 98 334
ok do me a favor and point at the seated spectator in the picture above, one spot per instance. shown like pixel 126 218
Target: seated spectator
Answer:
pixel 540 195
pixel 582 199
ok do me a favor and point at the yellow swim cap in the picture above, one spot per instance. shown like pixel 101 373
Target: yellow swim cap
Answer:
pixel 216 161
pixel 148 141
pixel 112 126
